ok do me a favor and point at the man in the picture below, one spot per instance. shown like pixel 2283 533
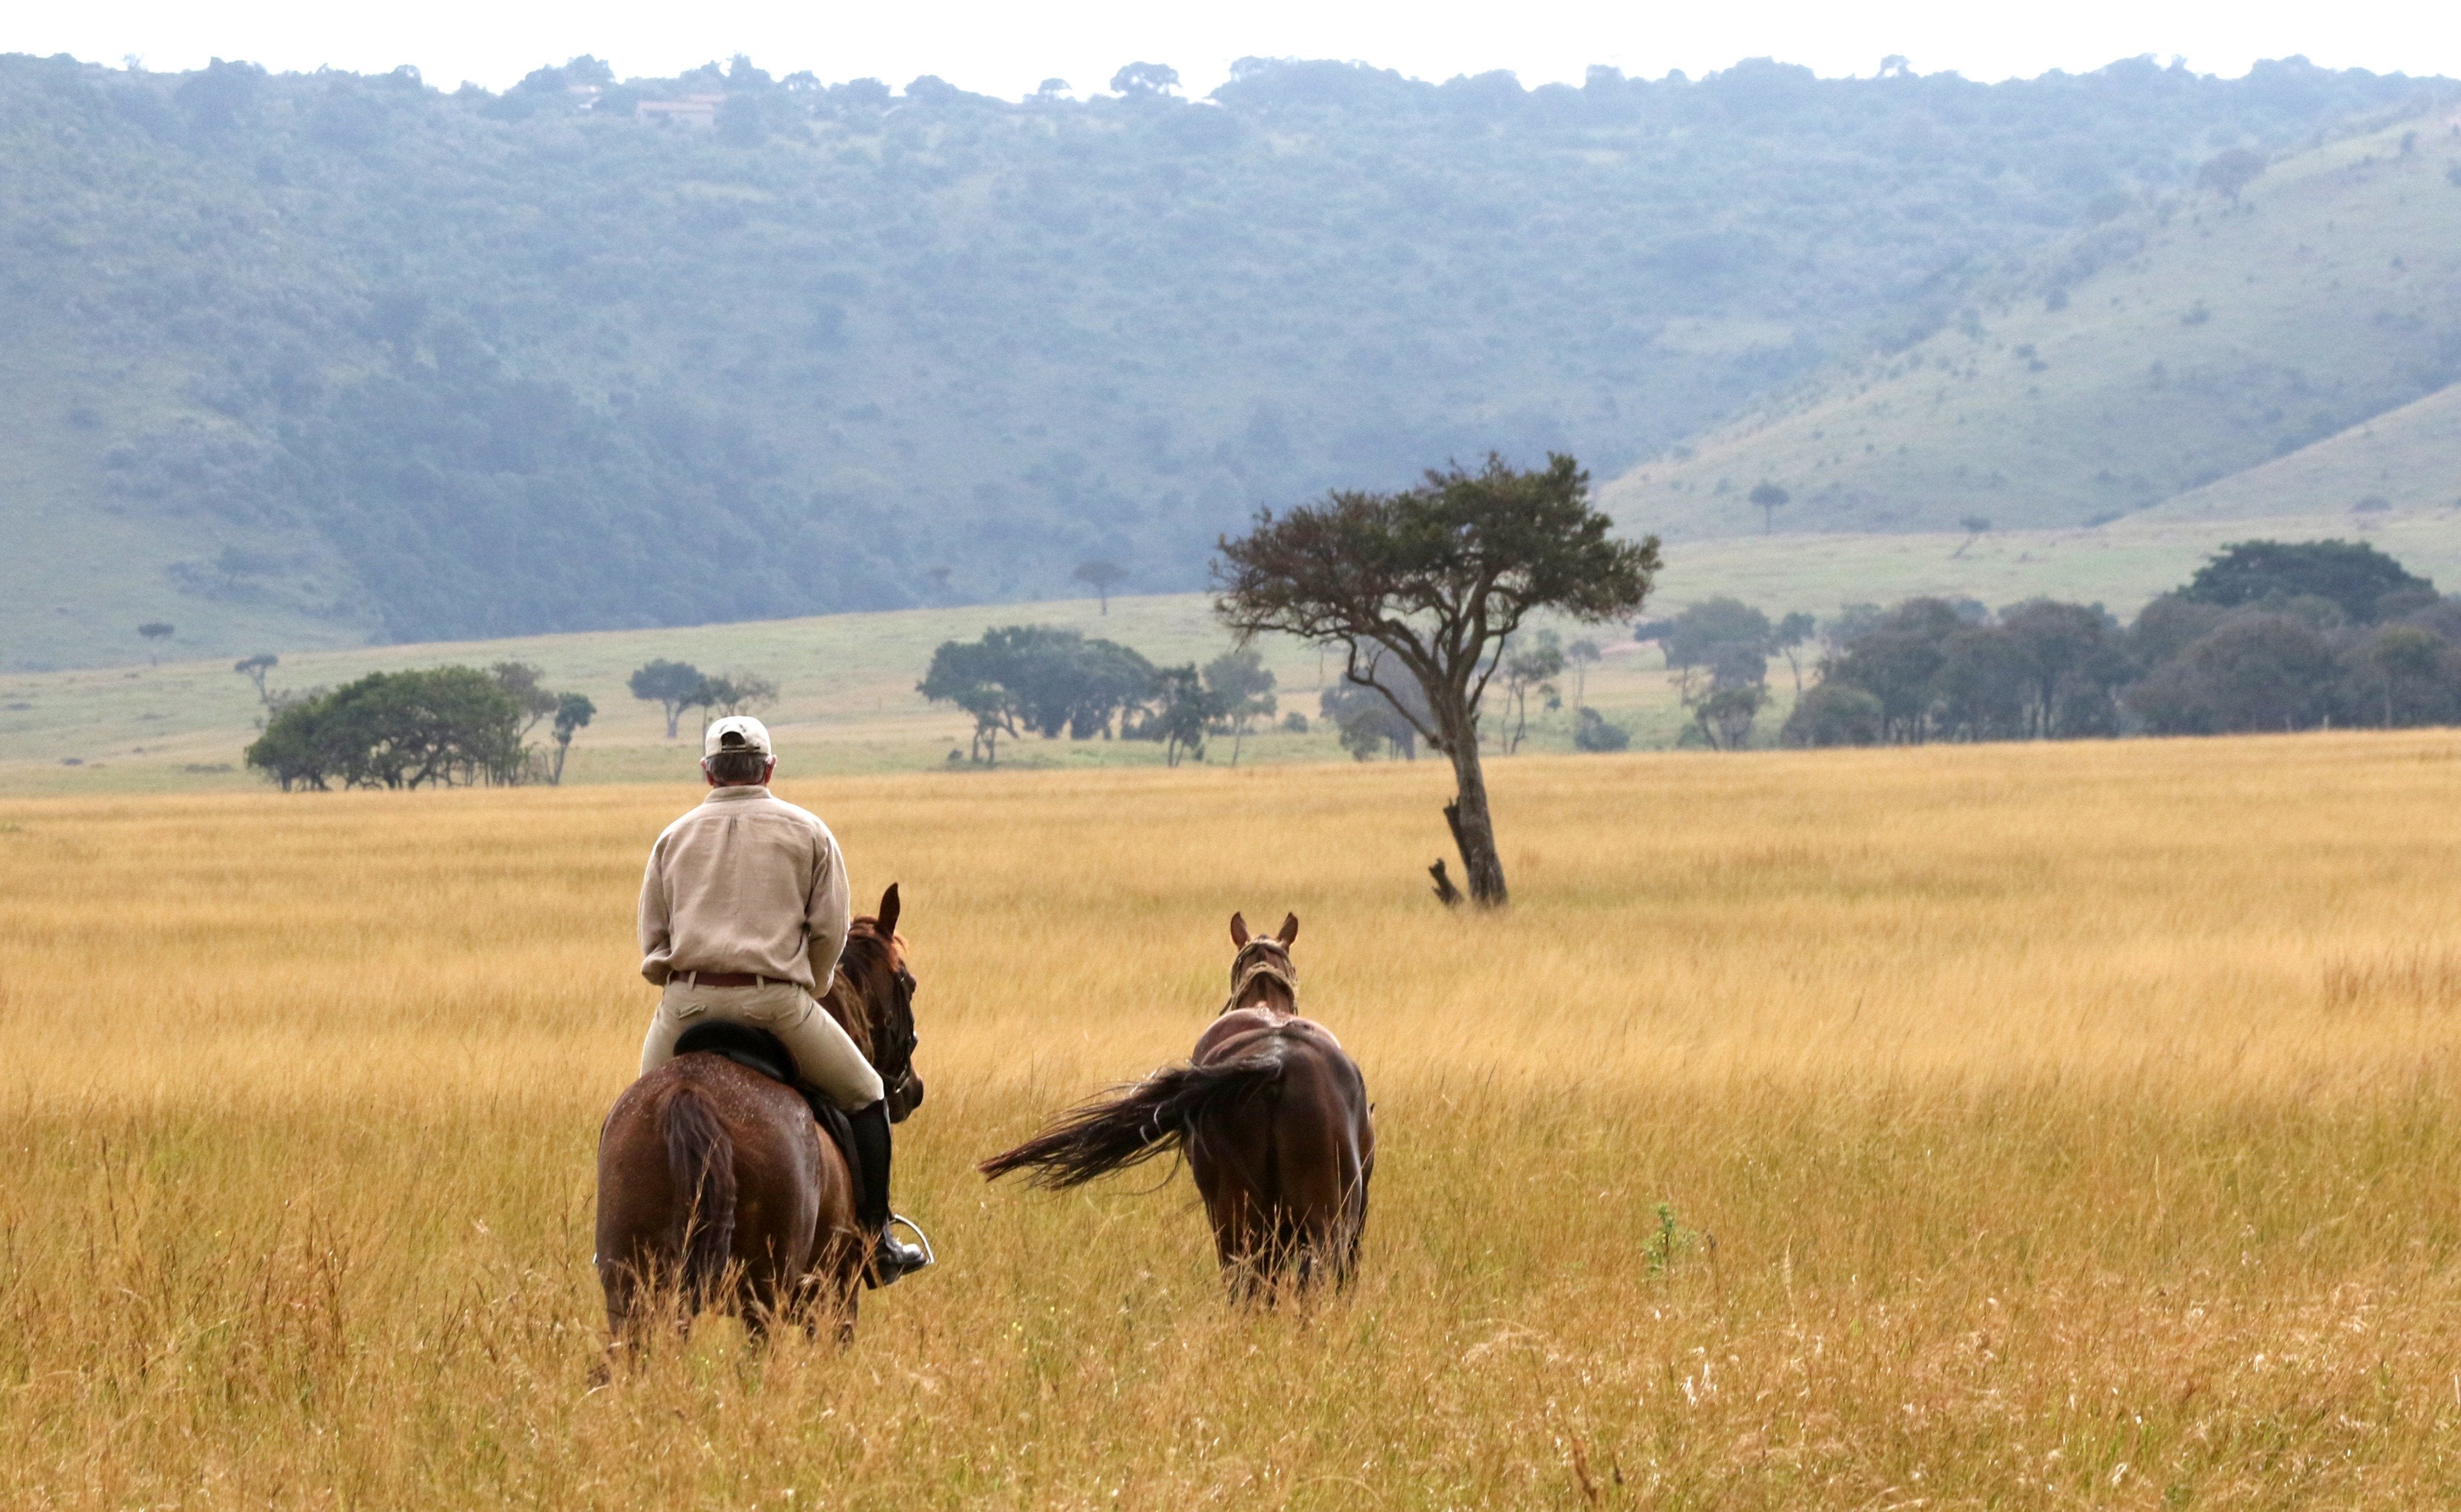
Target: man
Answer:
pixel 744 912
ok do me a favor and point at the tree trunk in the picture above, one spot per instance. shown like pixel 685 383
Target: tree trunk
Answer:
pixel 1473 829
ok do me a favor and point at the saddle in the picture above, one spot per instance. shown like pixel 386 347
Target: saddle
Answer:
pixel 760 1052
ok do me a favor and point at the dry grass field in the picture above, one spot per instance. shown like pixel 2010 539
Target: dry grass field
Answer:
pixel 2016 1127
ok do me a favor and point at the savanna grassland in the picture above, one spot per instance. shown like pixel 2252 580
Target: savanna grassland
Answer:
pixel 2010 1126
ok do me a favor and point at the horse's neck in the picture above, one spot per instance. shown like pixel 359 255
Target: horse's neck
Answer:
pixel 1265 995
pixel 1263 983
pixel 846 1004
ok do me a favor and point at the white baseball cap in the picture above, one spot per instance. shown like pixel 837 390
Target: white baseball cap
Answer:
pixel 736 732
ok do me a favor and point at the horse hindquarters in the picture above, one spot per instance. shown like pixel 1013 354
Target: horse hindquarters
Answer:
pixel 1230 1152
pixel 1320 1157
pixel 1284 1171
pixel 712 1182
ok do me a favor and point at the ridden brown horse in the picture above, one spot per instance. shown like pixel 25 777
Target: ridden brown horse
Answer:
pixel 716 1189
pixel 1271 1114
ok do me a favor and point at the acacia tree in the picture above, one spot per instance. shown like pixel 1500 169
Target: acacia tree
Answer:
pixel 1427 582
pixel 1792 634
pixel 1770 498
pixel 735 692
pixel 1242 686
pixel 1583 654
pixel 669 684
pixel 969 674
pixel 1184 710
pixel 1527 670
pixel 521 683
pixel 572 710
pixel 1099 575
pixel 253 669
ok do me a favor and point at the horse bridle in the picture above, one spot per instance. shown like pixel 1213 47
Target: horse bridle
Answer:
pixel 904 1080
pixel 1263 956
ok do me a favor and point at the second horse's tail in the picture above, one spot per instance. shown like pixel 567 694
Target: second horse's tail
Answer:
pixel 1137 1124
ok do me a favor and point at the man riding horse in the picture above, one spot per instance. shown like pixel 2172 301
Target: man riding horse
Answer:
pixel 744 911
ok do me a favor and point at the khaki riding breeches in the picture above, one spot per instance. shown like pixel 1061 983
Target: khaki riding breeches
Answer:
pixel 822 1053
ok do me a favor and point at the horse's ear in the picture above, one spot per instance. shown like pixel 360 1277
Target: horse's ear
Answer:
pixel 1289 929
pixel 1238 930
pixel 889 911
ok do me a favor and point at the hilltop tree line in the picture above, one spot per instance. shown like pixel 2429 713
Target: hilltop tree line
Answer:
pixel 2266 636
pixel 453 364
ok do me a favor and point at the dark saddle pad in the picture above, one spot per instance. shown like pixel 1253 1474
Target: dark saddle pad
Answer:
pixel 759 1050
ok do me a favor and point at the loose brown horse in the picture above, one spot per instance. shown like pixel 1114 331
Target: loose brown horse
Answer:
pixel 1271 1114
pixel 716 1189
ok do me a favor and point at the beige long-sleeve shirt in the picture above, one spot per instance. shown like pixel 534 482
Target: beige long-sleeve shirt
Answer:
pixel 745 883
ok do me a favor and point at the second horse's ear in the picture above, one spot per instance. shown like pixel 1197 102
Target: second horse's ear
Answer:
pixel 1289 929
pixel 1238 930
pixel 889 911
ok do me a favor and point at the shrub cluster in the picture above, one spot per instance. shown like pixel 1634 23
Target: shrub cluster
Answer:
pixel 1050 680
pixel 394 730
pixel 437 726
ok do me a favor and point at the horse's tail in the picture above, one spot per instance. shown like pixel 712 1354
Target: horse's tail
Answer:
pixel 700 1160
pixel 1136 1123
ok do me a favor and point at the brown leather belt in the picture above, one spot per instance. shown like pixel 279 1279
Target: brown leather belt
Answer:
pixel 729 979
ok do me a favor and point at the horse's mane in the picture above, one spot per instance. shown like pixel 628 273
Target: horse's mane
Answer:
pixel 847 1000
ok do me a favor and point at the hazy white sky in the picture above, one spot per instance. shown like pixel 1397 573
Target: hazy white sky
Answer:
pixel 998 47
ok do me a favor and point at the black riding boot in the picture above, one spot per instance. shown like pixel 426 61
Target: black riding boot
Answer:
pixel 890 1257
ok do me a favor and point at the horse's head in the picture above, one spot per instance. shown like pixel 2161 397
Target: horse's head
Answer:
pixel 873 966
pixel 1261 973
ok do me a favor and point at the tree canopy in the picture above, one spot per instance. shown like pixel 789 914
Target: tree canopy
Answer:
pixel 1039 678
pixel 2361 582
pixel 396 729
pixel 1428 584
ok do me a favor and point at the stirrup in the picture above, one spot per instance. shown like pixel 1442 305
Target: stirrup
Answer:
pixel 873 1277
pixel 922 1240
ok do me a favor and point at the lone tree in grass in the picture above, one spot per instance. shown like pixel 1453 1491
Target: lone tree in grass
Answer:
pixel 1099 575
pixel 1427 584
pixel 572 710
pixel 1770 498
pixel 255 668
pixel 2228 173
pixel 673 686
pixel 154 630
pixel 1583 654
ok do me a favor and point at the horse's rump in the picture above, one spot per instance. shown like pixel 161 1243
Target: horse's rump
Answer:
pixel 706 1168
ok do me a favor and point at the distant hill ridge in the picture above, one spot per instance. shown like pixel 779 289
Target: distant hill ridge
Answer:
pixel 314 359
pixel 2284 347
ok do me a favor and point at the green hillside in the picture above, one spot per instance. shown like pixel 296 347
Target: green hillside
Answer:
pixel 309 360
pixel 2189 341
pixel 2404 462
pixel 849 701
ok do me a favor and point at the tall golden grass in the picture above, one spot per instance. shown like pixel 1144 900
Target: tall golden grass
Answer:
pixel 2006 1126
